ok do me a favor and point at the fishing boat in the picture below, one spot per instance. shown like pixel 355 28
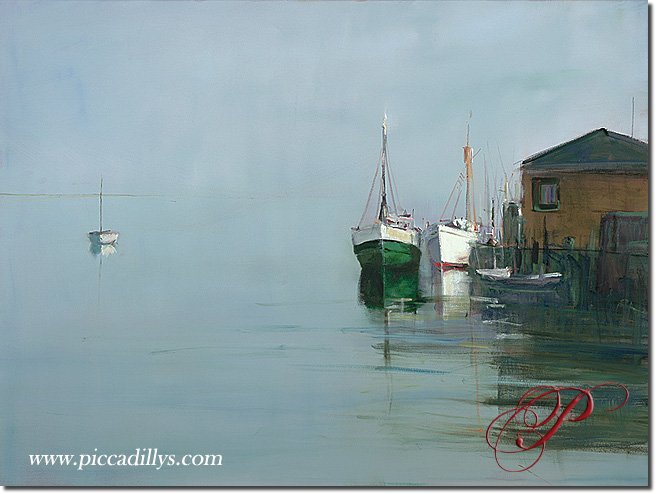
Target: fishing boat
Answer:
pixel 102 237
pixel 449 241
pixel 391 240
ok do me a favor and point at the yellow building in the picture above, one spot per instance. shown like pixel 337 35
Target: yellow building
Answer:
pixel 567 189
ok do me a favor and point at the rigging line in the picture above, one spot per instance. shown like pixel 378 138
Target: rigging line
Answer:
pixel 487 189
pixel 390 182
pixel 382 167
pixel 101 183
pixel 371 190
pixel 450 196
pixel 632 114
pixel 473 200
pixel 501 161
pixel 453 214
pixel 392 187
pixel 394 191
pixel 388 185
pixel 367 206
pixel 379 202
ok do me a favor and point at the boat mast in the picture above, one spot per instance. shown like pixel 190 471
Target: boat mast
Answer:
pixel 469 206
pixel 494 233
pixel 494 240
pixel 101 180
pixel 382 214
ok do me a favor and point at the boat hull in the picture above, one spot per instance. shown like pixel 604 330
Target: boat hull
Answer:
pixel 105 237
pixel 449 247
pixel 381 246
pixel 528 281
pixel 494 274
pixel 376 255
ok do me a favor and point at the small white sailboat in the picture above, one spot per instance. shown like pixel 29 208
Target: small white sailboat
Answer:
pixel 100 236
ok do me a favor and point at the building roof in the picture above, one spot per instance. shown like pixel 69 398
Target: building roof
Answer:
pixel 598 151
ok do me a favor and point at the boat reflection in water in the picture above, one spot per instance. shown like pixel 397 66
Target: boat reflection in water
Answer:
pixel 100 251
pixel 390 288
pixel 104 250
pixel 400 290
pixel 450 288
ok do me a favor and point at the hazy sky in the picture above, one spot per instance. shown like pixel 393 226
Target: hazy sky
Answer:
pixel 272 98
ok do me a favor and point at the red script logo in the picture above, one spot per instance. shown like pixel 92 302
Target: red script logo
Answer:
pixel 529 432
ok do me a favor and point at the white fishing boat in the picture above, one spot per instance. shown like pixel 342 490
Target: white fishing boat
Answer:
pixel 391 240
pixel 449 244
pixel 100 236
pixel 449 241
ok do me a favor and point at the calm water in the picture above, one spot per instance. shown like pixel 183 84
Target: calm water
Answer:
pixel 231 327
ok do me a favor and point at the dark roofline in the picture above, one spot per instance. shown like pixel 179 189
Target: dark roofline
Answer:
pixel 627 168
pixel 615 135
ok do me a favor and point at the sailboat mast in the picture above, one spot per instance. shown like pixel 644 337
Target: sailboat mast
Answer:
pixel 493 230
pixel 101 181
pixel 382 214
pixel 469 206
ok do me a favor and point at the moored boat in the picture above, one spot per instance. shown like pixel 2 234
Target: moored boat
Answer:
pixel 104 237
pixel 494 274
pixel 449 241
pixel 520 280
pixel 100 236
pixel 391 240
pixel 449 244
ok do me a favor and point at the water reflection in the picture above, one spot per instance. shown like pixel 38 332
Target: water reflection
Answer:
pixel 104 250
pixel 435 369
pixel 451 292
pixel 391 288
pixel 101 251
pixel 484 353
pixel 549 346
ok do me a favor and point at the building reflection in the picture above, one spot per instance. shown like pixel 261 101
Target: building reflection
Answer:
pixel 492 348
pixel 543 346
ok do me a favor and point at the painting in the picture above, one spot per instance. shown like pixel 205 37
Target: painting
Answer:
pixel 346 244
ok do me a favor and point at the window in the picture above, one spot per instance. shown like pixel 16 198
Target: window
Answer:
pixel 546 194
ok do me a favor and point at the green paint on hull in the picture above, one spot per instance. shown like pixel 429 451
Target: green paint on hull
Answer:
pixel 379 290
pixel 390 271
pixel 377 255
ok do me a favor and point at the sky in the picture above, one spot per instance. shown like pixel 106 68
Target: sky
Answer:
pixel 286 99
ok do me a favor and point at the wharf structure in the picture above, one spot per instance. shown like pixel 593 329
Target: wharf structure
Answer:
pixel 584 213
